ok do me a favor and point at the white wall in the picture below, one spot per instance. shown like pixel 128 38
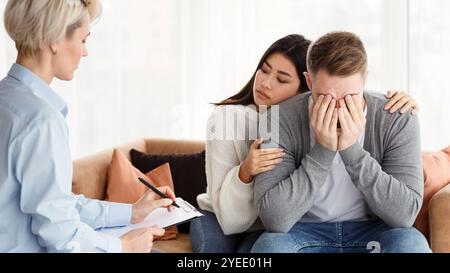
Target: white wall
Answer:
pixel 155 65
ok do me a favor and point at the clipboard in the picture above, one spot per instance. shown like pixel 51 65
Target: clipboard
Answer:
pixel 160 217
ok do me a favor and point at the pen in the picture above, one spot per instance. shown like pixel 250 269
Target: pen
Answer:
pixel 156 191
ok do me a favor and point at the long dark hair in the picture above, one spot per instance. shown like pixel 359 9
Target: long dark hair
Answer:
pixel 295 48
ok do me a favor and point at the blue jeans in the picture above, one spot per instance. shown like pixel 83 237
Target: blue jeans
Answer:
pixel 207 237
pixel 343 237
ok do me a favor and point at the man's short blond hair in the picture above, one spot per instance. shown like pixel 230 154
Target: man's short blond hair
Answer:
pixel 34 24
pixel 338 53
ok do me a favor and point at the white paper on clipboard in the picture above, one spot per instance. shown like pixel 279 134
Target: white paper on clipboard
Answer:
pixel 160 217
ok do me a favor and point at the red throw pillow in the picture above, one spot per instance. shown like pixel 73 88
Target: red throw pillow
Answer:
pixel 436 171
pixel 124 187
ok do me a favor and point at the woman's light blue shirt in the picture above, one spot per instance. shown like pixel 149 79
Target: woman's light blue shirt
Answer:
pixel 38 211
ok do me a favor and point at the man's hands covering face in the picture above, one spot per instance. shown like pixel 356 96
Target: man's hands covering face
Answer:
pixel 325 116
pixel 352 120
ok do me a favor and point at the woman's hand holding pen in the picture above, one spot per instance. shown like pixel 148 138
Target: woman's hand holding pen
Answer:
pixel 151 201
pixel 259 161
pixel 141 240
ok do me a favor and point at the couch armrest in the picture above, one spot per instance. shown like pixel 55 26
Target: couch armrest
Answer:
pixel 171 146
pixel 439 216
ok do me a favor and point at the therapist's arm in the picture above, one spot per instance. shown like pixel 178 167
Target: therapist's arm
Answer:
pixel 44 170
pixel 100 214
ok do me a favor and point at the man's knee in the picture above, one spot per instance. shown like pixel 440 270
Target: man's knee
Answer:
pixel 404 240
pixel 274 243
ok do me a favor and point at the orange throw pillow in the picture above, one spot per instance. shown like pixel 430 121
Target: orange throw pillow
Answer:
pixel 436 171
pixel 124 187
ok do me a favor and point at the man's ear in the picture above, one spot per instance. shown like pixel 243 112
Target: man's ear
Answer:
pixel 308 80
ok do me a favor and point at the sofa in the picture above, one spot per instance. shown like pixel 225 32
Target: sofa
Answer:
pixel 90 179
pixel 439 221
pixel 90 176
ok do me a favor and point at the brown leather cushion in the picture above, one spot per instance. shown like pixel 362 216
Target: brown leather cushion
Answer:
pixel 436 170
pixel 89 173
pixel 123 185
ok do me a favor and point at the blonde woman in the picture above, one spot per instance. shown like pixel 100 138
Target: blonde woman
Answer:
pixel 38 210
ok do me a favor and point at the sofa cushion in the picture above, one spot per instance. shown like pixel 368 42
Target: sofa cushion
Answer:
pixel 188 172
pixel 436 171
pixel 123 185
pixel 89 173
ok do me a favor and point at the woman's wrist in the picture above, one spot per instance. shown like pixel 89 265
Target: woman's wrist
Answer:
pixel 135 215
pixel 244 176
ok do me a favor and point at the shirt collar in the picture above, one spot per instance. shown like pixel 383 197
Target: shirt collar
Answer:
pixel 39 87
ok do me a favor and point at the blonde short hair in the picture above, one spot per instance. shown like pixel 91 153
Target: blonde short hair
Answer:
pixel 34 24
